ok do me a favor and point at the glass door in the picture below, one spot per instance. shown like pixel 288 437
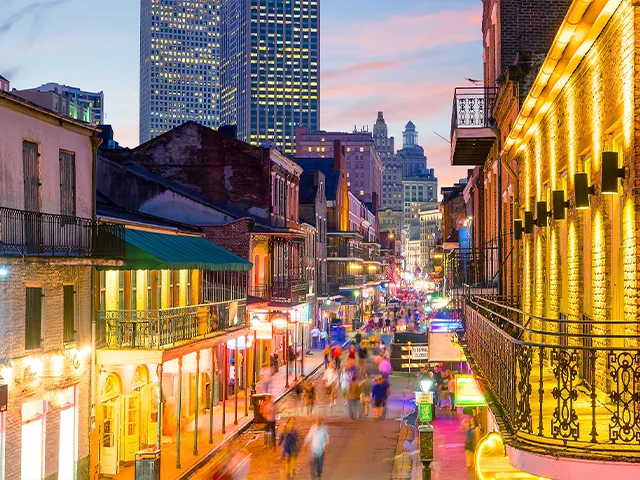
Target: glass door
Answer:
pixel 131 427
pixel 109 436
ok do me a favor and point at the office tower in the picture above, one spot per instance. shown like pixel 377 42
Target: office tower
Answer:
pixel 71 101
pixel 179 64
pixel 270 65
pixel 392 175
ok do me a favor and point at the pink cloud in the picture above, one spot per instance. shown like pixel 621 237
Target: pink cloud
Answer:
pixel 365 67
pixel 402 34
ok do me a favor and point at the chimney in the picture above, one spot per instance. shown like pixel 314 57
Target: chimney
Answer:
pixel 339 159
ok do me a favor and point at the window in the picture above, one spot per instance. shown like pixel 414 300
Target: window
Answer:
pixel 33 318
pixel 134 290
pixel 121 290
pixel 67 183
pixel 69 311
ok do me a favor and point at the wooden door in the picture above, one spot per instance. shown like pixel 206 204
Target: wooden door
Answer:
pixel 110 438
pixel 32 196
pixel 130 426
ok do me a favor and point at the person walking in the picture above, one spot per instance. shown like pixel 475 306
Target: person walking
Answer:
pixel 353 397
pixel 290 443
pixel 315 337
pixel 379 393
pixel 330 378
pixel 327 354
pixel 317 439
pixel 362 359
pixel 324 337
pixel 452 392
pixel 309 397
pixel 336 354
pixel 473 435
pixel 366 385
pixel 268 410
pixel 346 378
pixel 443 391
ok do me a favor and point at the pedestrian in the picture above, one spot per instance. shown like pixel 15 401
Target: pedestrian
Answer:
pixel 330 378
pixel 353 397
pixel 324 337
pixel 336 354
pixel 379 394
pixel 291 355
pixel 317 439
pixel 366 385
pixel 309 397
pixel 265 378
pixel 437 378
pixel 352 353
pixel 268 411
pixel 346 378
pixel 290 443
pixel 443 392
pixel 384 367
pixel 315 337
pixel 473 435
pixel 452 392
pixel 362 358
pixel 327 353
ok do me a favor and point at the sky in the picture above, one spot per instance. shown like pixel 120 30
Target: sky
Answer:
pixel 402 57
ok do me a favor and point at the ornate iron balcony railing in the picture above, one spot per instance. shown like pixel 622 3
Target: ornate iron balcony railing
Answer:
pixel 44 234
pixel 570 386
pixel 167 327
pixel 344 251
pixel 286 291
pixel 472 107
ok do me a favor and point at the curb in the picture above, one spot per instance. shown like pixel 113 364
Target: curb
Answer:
pixel 212 453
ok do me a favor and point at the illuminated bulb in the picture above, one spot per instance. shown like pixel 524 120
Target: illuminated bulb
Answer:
pixel 4 272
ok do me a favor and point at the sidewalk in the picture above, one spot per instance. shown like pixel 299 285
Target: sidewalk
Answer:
pixel 190 461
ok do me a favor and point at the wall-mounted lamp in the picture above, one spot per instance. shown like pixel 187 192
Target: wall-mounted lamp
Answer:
pixel 559 205
pixel 611 173
pixel 528 222
pixel 4 271
pixel 583 190
pixel 541 214
pixel 517 229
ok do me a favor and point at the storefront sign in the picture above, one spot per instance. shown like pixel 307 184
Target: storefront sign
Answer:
pixel 419 352
pixel 264 331
pixel 425 411
pixel 468 393
pixel 424 397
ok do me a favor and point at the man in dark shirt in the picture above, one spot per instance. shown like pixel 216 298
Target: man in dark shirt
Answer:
pixel 362 359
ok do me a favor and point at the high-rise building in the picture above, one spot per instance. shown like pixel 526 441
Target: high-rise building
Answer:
pixel 71 101
pixel 270 64
pixel 391 197
pixel 179 64
pixel 364 166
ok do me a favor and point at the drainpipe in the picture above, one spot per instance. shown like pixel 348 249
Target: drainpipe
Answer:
pixel 499 209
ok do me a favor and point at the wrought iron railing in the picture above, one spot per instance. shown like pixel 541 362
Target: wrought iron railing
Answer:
pixel 158 329
pixel 346 280
pixel 44 234
pixel 472 267
pixel 472 107
pixel 286 291
pixel 572 386
pixel 344 251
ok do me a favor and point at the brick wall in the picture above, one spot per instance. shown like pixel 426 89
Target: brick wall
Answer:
pixel 51 277
pixel 234 236
pixel 594 111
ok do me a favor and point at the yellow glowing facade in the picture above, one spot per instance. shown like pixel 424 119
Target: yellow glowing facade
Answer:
pixel 179 64
pixel 581 105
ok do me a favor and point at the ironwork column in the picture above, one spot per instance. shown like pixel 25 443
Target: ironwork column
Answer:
pixel 179 412
pixel 224 388
pixel 195 419
pixel 159 374
pixel 235 386
pixel 212 390
pixel 255 363
pixel 245 371
pixel 302 353
pixel 286 355
pixel 295 353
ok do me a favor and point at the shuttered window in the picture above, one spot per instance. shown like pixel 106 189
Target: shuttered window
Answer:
pixel 33 318
pixel 67 183
pixel 69 326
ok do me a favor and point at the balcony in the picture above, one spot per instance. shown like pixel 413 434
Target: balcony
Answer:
pixel 346 280
pixel 285 292
pixel 164 328
pixel 558 387
pixel 471 134
pixel 471 270
pixel 24 233
pixel 344 252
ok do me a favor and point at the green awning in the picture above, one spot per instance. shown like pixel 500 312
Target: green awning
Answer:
pixel 157 251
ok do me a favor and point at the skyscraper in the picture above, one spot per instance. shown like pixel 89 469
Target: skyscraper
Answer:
pixel 270 64
pixel 179 64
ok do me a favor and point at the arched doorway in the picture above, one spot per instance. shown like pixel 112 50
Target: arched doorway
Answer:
pixel 147 400
pixel 110 425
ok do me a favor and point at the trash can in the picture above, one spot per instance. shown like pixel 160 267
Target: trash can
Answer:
pixel 257 399
pixel 147 464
